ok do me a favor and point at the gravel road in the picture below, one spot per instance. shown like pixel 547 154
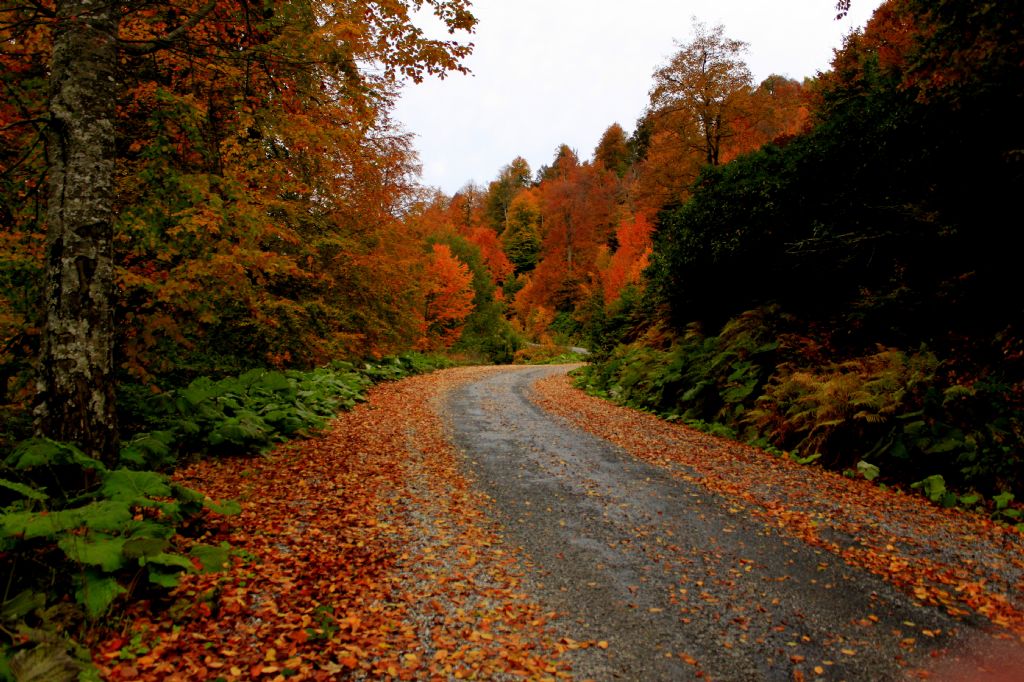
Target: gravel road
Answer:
pixel 676 579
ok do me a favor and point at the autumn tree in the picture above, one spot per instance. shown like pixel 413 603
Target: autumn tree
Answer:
pixel 579 209
pixel 270 58
pixel 697 92
pixel 777 108
pixel 511 180
pixel 625 266
pixel 448 299
pixel 613 151
pixel 466 209
pixel 522 236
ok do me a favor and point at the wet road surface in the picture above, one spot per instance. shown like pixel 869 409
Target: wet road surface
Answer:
pixel 676 579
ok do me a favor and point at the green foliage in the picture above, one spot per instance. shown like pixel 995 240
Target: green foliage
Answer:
pixel 537 354
pixel 869 471
pixel 699 378
pixel 907 413
pixel 867 230
pixel 250 412
pixel 486 333
pixel 843 406
pixel 73 528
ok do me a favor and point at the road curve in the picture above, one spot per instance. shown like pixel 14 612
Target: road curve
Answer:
pixel 676 579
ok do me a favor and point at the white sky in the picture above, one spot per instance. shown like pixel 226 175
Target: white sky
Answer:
pixel 547 72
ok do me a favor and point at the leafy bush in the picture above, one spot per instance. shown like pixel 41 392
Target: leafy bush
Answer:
pixel 250 412
pixel 72 526
pixel 909 413
pixel 839 408
pixel 539 354
pixel 699 378
pixel 77 535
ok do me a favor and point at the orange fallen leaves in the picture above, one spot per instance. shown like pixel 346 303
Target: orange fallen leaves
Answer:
pixel 363 552
pixel 958 562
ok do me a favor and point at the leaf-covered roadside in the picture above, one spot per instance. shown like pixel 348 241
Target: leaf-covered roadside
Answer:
pixel 80 538
pixel 965 564
pixel 361 553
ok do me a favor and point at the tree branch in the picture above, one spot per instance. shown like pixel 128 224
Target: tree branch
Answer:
pixel 150 46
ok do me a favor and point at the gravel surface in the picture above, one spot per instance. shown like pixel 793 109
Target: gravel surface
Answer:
pixel 676 579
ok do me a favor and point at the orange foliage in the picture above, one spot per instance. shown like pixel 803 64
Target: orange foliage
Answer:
pixel 777 108
pixel 494 257
pixel 260 176
pixel 448 299
pixel 579 209
pixel 630 258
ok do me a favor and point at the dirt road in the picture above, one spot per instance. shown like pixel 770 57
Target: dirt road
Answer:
pixel 682 580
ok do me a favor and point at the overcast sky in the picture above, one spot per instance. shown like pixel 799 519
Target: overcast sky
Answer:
pixel 547 72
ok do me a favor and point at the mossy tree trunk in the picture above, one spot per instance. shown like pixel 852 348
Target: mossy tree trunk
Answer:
pixel 76 386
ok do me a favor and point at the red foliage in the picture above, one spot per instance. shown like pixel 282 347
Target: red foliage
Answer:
pixel 630 258
pixel 495 259
pixel 449 299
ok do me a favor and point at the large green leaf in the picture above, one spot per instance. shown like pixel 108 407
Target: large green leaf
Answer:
pixel 38 452
pixel 106 515
pixel 868 470
pixel 149 449
pixel 212 558
pixel 934 487
pixel 95 549
pixel 134 486
pixel 21 604
pixel 163 578
pixel 139 547
pixel 97 592
pixel 24 490
pixel 170 560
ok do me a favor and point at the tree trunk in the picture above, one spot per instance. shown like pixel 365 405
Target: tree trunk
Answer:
pixel 76 387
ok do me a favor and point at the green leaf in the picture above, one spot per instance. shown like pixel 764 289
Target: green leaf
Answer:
pixel 163 578
pixel 1003 500
pixel 148 449
pixel 970 499
pixel 38 452
pixel 135 548
pixel 147 529
pixel 223 507
pixel 212 558
pixel 171 560
pixel 106 515
pixel 96 593
pixel 21 604
pixel 867 470
pixel 134 486
pixel 24 490
pixel 934 487
pixel 95 549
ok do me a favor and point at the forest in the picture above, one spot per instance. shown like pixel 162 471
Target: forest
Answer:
pixel 212 238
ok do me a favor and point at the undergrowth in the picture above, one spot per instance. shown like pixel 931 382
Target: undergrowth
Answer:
pixel 906 414
pixel 80 537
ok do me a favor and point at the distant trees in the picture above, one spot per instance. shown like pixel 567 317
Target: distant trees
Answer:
pixel 613 152
pixel 510 181
pixel 698 92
